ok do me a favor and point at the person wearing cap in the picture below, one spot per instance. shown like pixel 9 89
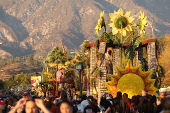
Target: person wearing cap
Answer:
pixel 2 105
pixel 27 95
pixel 91 107
pixel 104 102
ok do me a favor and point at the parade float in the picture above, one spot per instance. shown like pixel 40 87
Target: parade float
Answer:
pixel 117 61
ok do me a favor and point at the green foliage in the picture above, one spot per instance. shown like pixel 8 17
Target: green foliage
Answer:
pixel 19 80
pixel 113 39
pixel 50 75
pixel 97 42
pixel 1 85
pixel 85 44
pixel 105 36
pixel 93 80
pixel 56 56
pixel 97 72
pixel 130 50
pixel 46 86
pixel 68 73
pixel 99 56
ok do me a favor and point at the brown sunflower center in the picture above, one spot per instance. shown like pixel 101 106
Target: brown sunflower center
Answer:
pixel 121 21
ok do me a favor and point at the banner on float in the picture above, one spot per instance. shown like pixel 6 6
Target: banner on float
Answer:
pixel 35 80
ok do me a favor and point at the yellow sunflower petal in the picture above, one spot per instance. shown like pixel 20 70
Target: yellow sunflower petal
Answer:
pixel 112 16
pixel 111 24
pixel 141 32
pixel 142 15
pixel 129 28
pixel 102 14
pixel 144 22
pixel 114 31
pixel 120 12
pixel 127 14
pixel 124 32
pixel 130 19
pixel 116 18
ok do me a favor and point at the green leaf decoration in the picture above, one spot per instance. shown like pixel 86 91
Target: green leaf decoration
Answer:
pixel 93 80
pixel 97 71
pixel 130 50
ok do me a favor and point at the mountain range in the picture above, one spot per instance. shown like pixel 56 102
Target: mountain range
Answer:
pixel 37 26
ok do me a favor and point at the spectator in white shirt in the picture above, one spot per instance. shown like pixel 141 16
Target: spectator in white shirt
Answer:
pixel 84 103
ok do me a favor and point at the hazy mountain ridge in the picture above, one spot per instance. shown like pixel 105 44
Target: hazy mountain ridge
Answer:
pixel 39 25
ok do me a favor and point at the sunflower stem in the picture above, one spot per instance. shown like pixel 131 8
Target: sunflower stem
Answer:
pixel 121 47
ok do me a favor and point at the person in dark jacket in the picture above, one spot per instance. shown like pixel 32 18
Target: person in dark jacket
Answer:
pixel 119 105
pixel 91 107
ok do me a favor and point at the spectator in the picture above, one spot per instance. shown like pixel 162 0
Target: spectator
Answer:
pixel 134 104
pixel 2 106
pixel 91 107
pixel 10 105
pixel 162 95
pixel 120 104
pixel 146 105
pixel 103 105
pixel 50 106
pixel 166 105
pixel 141 99
pixel 31 106
pixel 158 106
pixel 125 97
pixel 27 95
pixel 66 107
pixel 84 103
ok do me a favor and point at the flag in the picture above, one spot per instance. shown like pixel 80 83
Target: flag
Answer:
pixel 64 51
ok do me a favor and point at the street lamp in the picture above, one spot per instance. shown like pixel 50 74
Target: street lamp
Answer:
pixel 79 67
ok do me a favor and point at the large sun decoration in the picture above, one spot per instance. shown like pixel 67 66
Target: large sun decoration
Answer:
pixel 120 22
pixel 131 80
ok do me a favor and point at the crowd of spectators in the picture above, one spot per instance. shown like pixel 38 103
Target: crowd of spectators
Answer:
pixel 143 103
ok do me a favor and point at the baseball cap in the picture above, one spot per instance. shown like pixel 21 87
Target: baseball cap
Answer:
pixel 2 102
pixel 26 93
pixel 105 93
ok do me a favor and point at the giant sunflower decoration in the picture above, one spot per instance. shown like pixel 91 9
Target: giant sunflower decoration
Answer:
pixel 142 23
pixel 101 23
pixel 131 80
pixel 120 22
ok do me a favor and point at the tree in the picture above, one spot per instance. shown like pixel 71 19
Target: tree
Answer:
pixel 56 56
pixel 164 58
pixel 30 59
pixel 20 80
pixel 1 84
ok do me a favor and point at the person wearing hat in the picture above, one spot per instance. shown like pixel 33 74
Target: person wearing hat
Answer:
pixel 27 95
pixel 104 103
pixel 2 105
